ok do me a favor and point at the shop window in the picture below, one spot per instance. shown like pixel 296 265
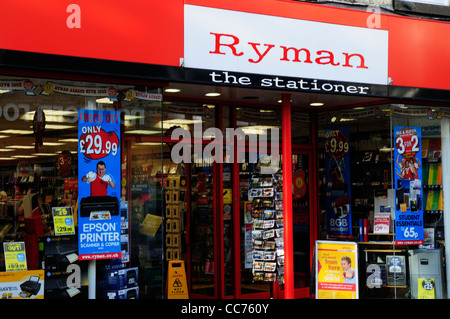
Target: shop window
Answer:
pixel 381 185
pixel 39 151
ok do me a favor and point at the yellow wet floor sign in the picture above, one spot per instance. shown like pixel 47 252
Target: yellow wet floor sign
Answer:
pixel 176 281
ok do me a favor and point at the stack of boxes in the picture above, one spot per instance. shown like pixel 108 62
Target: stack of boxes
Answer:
pixel 116 279
pixel 119 284
pixel 174 210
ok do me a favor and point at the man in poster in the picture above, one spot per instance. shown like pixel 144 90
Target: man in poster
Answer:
pixel 99 181
pixel 348 273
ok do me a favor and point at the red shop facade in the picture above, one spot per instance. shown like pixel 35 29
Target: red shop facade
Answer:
pixel 268 62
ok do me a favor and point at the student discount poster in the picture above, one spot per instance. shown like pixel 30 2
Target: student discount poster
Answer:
pixel 336 270
pixel 408 186
pixel 99 184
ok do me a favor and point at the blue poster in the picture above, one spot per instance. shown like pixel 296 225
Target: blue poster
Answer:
pixel 337 175
pixel 408 186
pixel 99 184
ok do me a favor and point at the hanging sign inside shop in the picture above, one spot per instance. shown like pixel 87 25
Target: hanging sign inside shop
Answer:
pixel 336 270
pixel 19 85
pixel 50 88
pixel 337 175
pixel 63 221
pixel 408 186
pixel 147 96
pixel 99 184
pixel 15 257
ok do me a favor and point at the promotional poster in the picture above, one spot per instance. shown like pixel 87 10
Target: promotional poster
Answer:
pixel 99 184
pixel 408 186
pixel 336 270
pixel 337 174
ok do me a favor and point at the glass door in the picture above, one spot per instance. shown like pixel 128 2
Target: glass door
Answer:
pixel 302 211
pixel 202 230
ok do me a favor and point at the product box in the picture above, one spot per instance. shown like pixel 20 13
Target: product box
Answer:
pixel 117 279
pixel 129 293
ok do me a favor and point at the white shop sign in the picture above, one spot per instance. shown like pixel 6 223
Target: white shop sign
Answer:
pixel 217 39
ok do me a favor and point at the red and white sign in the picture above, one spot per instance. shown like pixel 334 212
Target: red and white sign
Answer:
pixel 220 39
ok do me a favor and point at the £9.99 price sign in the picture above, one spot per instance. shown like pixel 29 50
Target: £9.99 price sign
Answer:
pixel 336 143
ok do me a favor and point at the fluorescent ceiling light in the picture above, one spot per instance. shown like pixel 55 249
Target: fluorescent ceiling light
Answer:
pixel 5 150
pixel 172 90
pixel 50 115
pixel 146 144
pixel 5 91
pixel 45 154
pixel 52 144
pixel 316 104
pixel 129 117
pixel 24 147
pixel 74 140
pixel 12 131
pixel 212 94
pixel 144 132
pixel 58 126
pixel 258 129
pixel 182 121
pixel 104 100
pixel 23 156
pixel 6 158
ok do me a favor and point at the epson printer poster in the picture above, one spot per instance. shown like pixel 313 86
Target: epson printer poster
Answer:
pixel 98 184
pixel 408 186
pixel 337 174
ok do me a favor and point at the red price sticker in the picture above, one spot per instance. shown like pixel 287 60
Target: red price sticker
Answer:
pixel 96 143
